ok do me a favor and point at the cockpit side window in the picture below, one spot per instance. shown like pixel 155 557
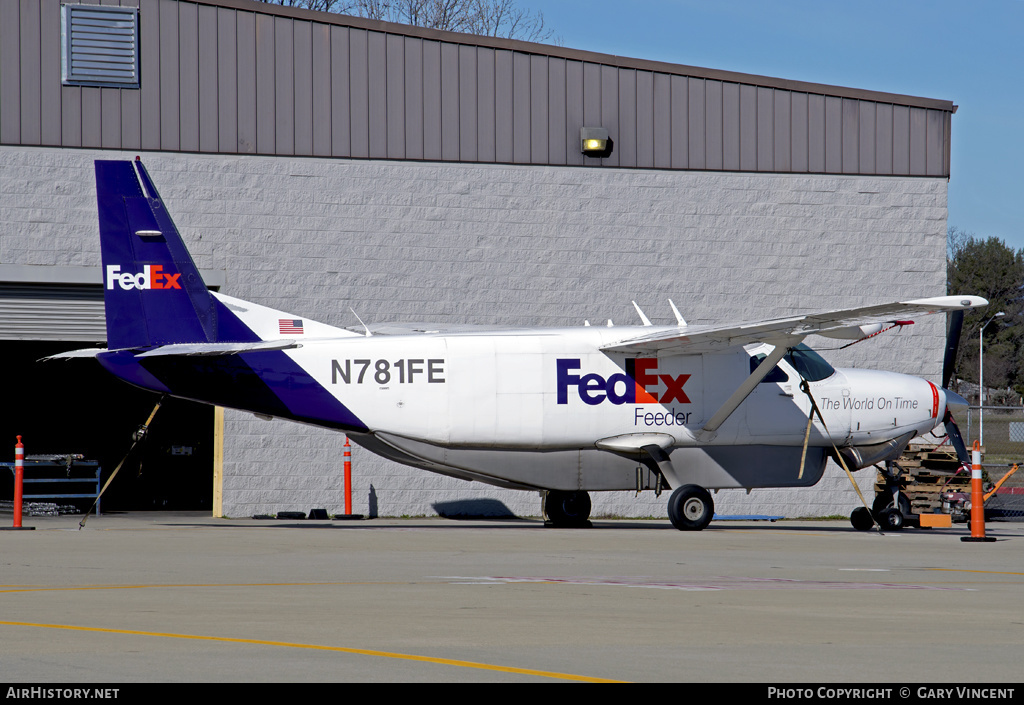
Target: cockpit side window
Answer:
pixel 777 375
pixel 809 364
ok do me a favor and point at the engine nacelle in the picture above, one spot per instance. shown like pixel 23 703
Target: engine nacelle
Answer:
pixel 858 457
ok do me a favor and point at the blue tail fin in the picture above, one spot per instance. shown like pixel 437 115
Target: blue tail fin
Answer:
pixel 153 292
pixel 160 316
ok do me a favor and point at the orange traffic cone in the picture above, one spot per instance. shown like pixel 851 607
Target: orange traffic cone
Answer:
pixel 977 499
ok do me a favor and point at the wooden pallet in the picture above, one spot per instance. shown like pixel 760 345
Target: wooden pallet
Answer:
pixel 927 472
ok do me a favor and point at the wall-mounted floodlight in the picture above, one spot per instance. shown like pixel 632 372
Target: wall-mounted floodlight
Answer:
pixel 595 142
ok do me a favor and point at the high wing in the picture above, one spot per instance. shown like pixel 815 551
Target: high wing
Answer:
pixel 785 331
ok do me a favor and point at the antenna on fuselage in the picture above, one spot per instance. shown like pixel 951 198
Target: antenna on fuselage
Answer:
pixel 643 318
pixel 368 333
pixel 679 316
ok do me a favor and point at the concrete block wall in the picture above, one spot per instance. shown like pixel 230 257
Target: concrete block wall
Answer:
pixel 501 244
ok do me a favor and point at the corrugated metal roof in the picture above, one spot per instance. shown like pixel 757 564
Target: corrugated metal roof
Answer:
pixel 581 55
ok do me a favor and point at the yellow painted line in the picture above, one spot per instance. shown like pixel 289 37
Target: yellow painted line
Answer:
pixel 316 647
pixel 986 572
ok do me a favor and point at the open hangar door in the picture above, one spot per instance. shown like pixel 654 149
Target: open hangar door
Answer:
pixel 75 406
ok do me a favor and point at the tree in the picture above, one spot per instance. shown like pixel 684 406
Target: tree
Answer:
pixel 492 18
pixel 991 269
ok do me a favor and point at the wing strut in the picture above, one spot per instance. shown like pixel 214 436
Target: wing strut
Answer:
pixel 710 429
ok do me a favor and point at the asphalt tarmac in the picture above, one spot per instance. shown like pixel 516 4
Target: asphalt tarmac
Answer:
pixel 178 597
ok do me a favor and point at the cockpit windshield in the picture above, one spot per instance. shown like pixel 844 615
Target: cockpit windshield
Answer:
pixel 809 364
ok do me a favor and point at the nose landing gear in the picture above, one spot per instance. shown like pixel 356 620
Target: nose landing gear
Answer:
pixel 891 508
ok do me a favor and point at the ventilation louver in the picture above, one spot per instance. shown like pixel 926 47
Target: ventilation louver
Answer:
pixel 100 46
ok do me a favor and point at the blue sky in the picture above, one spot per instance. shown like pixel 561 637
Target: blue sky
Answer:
pixel 971 53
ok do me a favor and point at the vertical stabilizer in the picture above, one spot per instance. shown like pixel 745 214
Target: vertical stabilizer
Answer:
pixel 152 289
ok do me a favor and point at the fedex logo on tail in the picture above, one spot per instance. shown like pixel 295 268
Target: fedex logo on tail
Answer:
pixel 631 387
pixel 152 276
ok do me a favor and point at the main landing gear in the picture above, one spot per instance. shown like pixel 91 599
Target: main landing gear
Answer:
pixel 567 510
pixel 690 508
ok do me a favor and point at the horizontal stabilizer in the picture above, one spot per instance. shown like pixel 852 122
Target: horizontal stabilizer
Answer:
pixel 75 354
pixel 185 349
pixel 207 349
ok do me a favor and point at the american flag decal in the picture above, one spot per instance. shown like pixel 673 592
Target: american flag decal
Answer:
pixel 290 326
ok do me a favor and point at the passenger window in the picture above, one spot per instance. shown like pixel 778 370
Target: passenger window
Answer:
pixel 778 375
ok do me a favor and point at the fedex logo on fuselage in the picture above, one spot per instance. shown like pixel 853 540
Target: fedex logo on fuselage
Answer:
pixel 631 387
pixel 152 276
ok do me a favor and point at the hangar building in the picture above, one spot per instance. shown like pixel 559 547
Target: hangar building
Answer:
pixel 316 163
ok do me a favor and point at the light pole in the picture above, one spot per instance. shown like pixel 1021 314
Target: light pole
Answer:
pixel 981 378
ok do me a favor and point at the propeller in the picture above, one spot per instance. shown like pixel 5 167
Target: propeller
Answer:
pixel 955 438
pixel 956 324
pixel 955 327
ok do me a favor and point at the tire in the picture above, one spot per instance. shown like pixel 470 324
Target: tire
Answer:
pixel 889 516
pixel 568 509
pixel 690 508
pixel 861 519
pixel 890 519
pixel 883 500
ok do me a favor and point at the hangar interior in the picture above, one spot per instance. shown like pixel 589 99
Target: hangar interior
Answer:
pixel 78 409
pixel 171 469
pixel 317 162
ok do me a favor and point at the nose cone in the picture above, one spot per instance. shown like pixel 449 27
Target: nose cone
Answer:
pixel 955 403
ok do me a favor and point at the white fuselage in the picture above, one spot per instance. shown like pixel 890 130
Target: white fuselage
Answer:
pixel 555 390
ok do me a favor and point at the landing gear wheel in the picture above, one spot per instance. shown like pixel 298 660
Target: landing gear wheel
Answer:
pixel 890 519
pixel 690 508
pixel 891 515
pixel 884 500
pixel 567 509
pixel 861 519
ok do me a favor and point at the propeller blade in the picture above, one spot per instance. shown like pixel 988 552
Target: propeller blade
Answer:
pixel 956 325
pixel 956 439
